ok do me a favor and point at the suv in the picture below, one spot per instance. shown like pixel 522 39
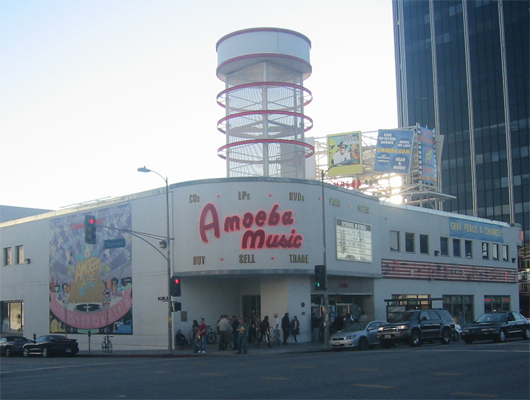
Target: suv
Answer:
pixel 415 326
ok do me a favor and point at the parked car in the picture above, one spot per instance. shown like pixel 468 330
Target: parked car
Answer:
pixel 416 326
pixel 11 345
pixel 497 326
pixel 360 335
pixel 49 345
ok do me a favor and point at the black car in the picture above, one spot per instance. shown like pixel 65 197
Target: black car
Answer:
pixel 497 326
pixel 49 345
pixel 416 326
pixel 11 345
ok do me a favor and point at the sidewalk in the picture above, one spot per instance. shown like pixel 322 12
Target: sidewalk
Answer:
pixel 211 351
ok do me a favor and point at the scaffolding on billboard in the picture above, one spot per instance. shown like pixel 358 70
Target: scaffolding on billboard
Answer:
pixel 411 188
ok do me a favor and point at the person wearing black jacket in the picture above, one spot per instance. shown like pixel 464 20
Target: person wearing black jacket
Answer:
pixel 286 327
pixel 235 332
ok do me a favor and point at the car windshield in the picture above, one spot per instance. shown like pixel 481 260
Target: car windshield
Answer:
pixel 355 326
pixel 492 317
pixel 403 317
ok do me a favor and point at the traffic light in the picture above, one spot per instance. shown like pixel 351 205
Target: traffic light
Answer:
pixel 320 277
pixel 90 229
pixel 176 306
pixel 175 286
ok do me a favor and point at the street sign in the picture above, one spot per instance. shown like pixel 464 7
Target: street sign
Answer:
pixel 114 243
pixel 163 298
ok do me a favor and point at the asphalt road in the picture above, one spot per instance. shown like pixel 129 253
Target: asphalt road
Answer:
pixel 457 371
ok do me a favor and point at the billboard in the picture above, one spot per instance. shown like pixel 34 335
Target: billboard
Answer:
pixel 394 151
pixel 344 149
pixel 427 157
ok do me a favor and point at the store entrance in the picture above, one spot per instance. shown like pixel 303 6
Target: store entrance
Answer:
pixel 251 307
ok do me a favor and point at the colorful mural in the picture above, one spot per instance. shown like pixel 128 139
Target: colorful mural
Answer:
pixel 91 285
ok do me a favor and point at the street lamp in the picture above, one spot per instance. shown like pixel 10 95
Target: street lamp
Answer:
pixel 168 259
pixel 324 258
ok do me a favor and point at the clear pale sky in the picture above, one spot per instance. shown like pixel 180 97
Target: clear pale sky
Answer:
pixel 91 90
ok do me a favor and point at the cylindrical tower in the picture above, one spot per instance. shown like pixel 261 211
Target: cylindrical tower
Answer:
pixel 264 70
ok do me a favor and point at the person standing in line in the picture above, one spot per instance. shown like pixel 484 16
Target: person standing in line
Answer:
pixel 235 333
pixel 201 335
pixel 242 337
pixel 295 328
pixel 224 332
pixel 193 336
pixel 286 327
pixel 277 328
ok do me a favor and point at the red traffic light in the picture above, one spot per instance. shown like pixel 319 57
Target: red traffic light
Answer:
pixel 177 280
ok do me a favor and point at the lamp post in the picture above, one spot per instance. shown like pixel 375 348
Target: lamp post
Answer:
pixel 168 259
pixel 324 257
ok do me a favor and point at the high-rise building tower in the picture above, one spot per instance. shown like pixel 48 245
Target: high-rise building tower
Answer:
pixel 463 69
pixel 264 100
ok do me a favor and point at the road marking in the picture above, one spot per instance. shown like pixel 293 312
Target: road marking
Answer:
pixel 372 386
pixel 489 395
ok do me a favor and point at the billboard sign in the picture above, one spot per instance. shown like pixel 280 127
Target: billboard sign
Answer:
pixel 394 151
pixel 344 149
pixel 427 157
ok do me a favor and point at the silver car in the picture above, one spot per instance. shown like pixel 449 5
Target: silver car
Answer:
pixel 360 335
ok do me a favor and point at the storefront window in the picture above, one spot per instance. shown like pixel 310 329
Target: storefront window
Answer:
pixel 496 303
pixel 12 316
pixel 461 308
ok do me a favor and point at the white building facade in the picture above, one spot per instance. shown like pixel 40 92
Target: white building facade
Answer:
pixel 246 247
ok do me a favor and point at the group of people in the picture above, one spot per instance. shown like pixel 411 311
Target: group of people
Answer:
pixel 238 333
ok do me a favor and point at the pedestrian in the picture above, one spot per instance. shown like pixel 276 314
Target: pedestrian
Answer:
pixel 193 336
pixel 180 340
pixel 264 327
pixel 286 327
pixel 242 337
pixel 201 335
pixel 225 330
pixel 277 328
pixel 235 332
pixel 295 328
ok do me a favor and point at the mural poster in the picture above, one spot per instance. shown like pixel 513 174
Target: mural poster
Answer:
pixel 91 284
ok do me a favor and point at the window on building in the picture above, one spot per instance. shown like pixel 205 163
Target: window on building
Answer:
pixel 504 252
pixel 495 251
pixel 19 254
pixel 424 244
pixel 394 241
pixel 485 250
pixel 444 246
pixel 456 248
pixel 409 242
pixel 12 316
pixel 496 303
pixel 461 307
pixel 7 256
pixel 468 248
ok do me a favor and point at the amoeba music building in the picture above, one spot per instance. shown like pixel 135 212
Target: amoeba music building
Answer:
pixel 246 246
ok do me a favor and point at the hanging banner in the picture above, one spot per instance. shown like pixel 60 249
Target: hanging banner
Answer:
pixel 344 149
pixel 394 151
pixel 427 157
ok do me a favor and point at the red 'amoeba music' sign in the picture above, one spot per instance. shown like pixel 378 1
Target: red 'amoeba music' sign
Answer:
pixel 254 235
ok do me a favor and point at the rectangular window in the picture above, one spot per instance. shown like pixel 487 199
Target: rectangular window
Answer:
pixel 12 316
pixel 504 252
pixel 444 246
pixel 19 254
pixel 424 244
pixel 496 303
pixel 394 241
pixel 456 248
pixel 409 242
pixel 461 307
pixel 485 250
pixel 7 256
pixel 495 251
pixel 468 246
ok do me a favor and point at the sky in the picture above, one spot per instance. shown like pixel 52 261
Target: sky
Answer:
pixel 91 90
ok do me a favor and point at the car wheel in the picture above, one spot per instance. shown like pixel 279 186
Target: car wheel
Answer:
pixel 446 336
pixel 501 337
pixel 526 333
pixel 8 352
pixel 363 344
pixel 415 339
pixel 45 352
pixel 26 353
